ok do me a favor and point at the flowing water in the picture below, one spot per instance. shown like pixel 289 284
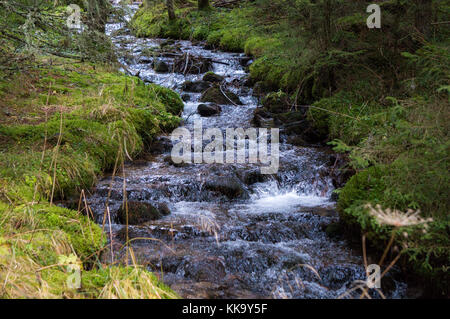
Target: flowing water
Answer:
pixel 267 240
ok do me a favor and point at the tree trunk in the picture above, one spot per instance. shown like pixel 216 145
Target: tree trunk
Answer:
pixel 203 4
pixel 423 16
pixel 327 23
pixel 98 11
pixel 170 10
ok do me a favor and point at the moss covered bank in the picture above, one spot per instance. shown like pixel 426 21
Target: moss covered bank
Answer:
pixel 61 126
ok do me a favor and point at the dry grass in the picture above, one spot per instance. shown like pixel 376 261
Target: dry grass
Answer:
pixel 138 284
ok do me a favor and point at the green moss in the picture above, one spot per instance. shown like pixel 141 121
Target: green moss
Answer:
pixel 104 114
pixel 428 253
pixel 169 98
pixel 276 102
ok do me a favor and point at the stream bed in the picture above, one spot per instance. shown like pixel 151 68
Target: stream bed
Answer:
pixel 232 231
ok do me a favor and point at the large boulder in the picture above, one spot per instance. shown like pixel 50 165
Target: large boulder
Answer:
pixel 214 94
pixel 212 77
pixel 196 87
pixel 209 109
pixel 229 186
pixel 138 213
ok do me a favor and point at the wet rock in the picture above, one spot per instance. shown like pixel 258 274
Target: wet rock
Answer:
pixel 250 177
pixel 196 87
pixel 169 264
pixel 209 109
pixel 163 209
pixel 114 194
pixel 73 204
pixel 138 213
pixel 212 77
pixel 245 61
pixel 289 117
pixel 268 232
pixel 207 269
pixel 161 145
pixel 334 197
pixel 228 186
pixel 294 124
pixel 214 94
pixel 248 82
pixel 186 97
pixel 161 66
pixel 336 276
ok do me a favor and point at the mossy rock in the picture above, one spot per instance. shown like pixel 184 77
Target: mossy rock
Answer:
pixel 214 94
pixel 276 102
pixel 172 100
pixel 138 213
